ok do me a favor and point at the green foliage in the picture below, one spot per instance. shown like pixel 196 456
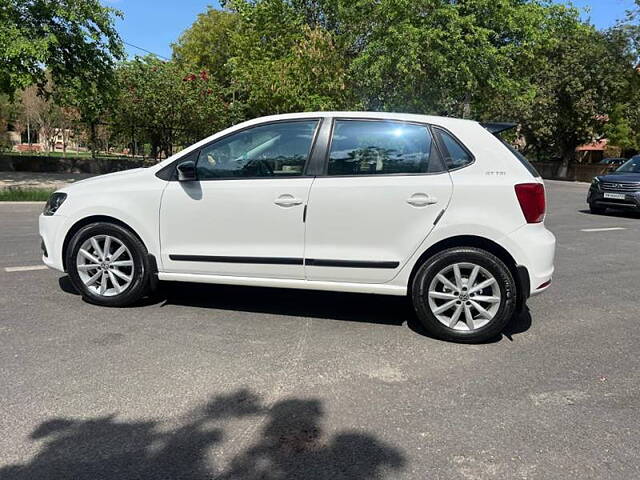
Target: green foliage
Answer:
pixel 75 40
pixel 281 64
pixel 25 194
pixel 163 103
pixel 585 72
pixel 531 61
pixel 207 44
pixel 619 130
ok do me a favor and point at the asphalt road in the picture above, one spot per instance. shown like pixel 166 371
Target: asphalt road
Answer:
pixel 245 383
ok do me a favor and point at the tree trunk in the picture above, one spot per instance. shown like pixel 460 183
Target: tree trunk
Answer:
pixel 93 139
pixel 64 143
pixel 563 170
pixel 466 107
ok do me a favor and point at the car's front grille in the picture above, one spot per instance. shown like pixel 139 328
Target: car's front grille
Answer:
pixel 621 187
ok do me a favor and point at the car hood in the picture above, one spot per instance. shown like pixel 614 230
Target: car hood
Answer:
pixel 620 178
pixel 94 181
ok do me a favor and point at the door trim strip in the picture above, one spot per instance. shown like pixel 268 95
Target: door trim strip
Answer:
pixel 223 259
pixel 314 262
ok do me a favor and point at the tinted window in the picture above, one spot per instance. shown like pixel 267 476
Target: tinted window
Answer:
pixel 455 155
pixel 379 147
pixel 272 150
pixel 632 166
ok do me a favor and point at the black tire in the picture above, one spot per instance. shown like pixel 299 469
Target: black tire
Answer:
pixel 492 264
pixel 597 210
pixel 139 285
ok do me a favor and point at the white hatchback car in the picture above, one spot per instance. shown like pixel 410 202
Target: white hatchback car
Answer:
pixel 438 209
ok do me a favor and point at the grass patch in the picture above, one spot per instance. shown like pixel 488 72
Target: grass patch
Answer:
pixel 25 194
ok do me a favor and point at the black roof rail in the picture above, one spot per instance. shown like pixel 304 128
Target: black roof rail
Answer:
pixel 498 127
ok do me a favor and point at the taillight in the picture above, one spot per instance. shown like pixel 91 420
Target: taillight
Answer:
pixel 532 201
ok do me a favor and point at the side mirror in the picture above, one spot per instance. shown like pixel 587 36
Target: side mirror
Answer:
pixel 187 171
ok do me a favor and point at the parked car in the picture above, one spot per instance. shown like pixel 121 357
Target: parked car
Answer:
pixel 438 209
pixel 613 163
pixel 619 189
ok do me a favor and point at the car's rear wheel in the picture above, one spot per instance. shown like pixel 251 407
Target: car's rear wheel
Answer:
pixel 108 265
pixel 464 294
pixel 596 210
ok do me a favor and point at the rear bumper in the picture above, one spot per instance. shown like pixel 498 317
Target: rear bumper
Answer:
pixel 533 248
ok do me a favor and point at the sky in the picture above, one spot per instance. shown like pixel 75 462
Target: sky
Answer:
pixel 155 24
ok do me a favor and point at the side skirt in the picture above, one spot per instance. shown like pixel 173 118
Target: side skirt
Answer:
pixel 381 289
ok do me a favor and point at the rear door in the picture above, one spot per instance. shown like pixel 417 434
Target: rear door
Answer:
pixel 384 186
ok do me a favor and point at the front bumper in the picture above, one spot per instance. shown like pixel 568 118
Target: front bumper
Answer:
pixel 52 234
pixel 629 200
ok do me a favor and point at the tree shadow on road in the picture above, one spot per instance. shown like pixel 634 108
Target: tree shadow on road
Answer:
pixel 290 444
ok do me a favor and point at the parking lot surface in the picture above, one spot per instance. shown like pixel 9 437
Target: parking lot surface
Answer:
pixel 246 383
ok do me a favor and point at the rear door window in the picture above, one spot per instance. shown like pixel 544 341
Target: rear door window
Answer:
pixel 376 147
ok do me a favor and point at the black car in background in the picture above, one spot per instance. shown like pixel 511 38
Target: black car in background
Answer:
pixel 618 189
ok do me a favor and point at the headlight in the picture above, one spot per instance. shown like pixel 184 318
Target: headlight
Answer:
pixel 54 202
pixel 595 183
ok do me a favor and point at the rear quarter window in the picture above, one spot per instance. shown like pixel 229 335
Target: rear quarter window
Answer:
pixel 455 154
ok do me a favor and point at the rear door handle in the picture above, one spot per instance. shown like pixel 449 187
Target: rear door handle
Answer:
pixel 421 200
pixel 287 200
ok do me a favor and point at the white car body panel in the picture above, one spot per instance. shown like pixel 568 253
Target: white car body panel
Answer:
pixel 344 220
pixel 234 218
pixel 368 218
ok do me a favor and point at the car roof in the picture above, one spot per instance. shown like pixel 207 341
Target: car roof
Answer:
pixel 411 117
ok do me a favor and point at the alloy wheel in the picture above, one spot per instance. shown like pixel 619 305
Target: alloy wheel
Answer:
pixel 464 296
pixel 105 265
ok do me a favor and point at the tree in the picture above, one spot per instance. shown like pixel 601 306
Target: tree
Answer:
pixel 207 44
pixel 8 115
pixel 72 43
pixel 73 40
pixel 619 130
pixel 31 110
pixel 164 104
pixel 586 73
pixel 266 59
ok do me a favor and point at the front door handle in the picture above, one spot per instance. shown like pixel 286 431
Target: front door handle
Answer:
pixel 422 200
pixel 287 200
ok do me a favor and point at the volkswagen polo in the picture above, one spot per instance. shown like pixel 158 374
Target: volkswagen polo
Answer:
pixel 438 209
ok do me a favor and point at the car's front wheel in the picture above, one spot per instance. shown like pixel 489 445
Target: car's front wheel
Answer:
pixel 108 265
pixel 596 210
pixel 464 294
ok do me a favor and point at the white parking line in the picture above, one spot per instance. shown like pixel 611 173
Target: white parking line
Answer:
pixel 25 269
pixel 611 229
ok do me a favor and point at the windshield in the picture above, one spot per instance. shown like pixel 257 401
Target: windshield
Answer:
pixel 632 166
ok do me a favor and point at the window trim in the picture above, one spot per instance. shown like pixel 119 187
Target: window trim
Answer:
pixel 172 177
pixel 325 170
pixel 444 149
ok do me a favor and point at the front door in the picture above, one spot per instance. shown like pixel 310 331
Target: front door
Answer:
pixel 244 214
pixel 384 188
